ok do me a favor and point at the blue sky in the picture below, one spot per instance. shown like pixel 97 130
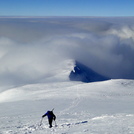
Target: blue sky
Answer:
pixel 66 7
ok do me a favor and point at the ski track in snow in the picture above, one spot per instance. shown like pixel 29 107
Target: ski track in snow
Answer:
pixel 77 111
pixel 113 124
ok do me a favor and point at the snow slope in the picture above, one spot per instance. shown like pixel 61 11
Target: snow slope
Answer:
pixel 93 108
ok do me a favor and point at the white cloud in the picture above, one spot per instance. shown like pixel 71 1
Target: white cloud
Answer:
pixel 31 51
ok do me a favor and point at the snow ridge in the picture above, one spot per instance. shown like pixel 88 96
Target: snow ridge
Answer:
pixel 85 74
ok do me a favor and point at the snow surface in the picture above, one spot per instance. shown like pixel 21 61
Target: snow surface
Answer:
pixel 81 108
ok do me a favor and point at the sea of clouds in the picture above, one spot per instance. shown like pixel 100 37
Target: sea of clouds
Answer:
pixel 32 48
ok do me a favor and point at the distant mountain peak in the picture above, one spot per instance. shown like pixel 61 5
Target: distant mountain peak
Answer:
pixel 85 74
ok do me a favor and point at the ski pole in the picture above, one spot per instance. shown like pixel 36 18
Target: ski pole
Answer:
pixel 55 124
pixel 41 122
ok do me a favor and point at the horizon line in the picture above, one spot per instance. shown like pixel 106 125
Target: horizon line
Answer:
pixel 15 16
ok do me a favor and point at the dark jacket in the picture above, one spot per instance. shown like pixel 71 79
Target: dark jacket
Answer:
pixel 50 115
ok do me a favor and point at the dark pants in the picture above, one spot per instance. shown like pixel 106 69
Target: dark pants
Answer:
pixel 50 122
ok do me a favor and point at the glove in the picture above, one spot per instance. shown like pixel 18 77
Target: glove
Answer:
pixel 43 116
pixel 54 118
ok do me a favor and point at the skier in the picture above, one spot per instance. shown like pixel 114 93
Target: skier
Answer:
pixel 50 116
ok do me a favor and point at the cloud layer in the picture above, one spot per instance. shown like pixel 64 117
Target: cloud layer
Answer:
pixel 32 49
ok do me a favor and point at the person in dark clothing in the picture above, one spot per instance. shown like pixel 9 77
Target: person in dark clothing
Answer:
pixel 50 116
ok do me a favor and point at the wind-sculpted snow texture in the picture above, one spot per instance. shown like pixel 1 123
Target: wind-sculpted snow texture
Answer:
pixel 96 108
